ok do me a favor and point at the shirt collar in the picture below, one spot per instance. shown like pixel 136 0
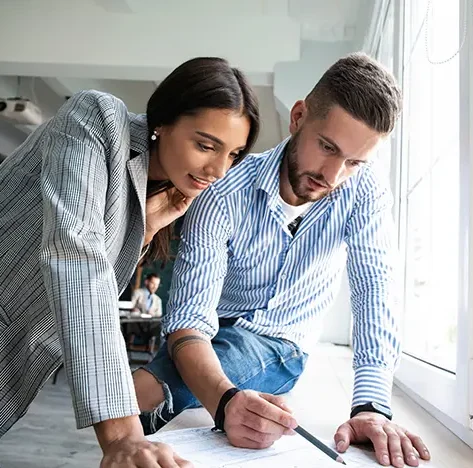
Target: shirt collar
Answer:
pixel 267 178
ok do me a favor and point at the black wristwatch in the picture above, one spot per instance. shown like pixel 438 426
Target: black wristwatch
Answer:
pixel 220 413
pixel 372 407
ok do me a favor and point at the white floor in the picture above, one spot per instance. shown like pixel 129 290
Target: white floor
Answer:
pixel 46 437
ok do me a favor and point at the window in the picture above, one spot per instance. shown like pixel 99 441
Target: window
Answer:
pixel 432 188
pixel 385 54
pixel 432 185
pixel 385 50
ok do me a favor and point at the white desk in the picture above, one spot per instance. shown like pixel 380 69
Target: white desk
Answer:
pixel 321 402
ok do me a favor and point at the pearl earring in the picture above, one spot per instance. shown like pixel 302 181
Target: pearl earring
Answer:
pixel 154 136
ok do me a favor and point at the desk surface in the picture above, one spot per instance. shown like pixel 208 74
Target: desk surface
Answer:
pixel 140 319
pixel 321 402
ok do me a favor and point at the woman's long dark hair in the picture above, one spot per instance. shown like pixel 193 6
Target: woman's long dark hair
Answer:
pixel 198 84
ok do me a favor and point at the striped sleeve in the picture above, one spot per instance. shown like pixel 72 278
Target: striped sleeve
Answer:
pixel 371 274
pixel 79 278
pixel 200 267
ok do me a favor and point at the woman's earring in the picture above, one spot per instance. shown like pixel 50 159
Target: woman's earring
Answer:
pixel 154 136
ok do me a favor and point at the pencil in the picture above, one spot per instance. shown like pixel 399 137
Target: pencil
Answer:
pixel 321 446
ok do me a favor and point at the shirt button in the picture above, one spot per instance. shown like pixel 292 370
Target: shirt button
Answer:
pixel 284 276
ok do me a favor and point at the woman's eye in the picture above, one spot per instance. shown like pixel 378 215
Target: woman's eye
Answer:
pixel 205 147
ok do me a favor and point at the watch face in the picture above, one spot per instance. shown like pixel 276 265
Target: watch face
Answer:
pixel 382 409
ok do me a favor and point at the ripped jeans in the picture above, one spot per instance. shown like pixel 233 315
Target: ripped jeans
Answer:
pixel 250 361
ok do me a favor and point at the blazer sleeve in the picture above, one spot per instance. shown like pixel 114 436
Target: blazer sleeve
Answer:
pixel 79 278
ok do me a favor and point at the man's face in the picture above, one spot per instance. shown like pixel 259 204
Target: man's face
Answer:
pixel 152 284
pixel 322 154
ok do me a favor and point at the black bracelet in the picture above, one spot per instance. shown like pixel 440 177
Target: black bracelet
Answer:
pixel 372 407
pixel 220 413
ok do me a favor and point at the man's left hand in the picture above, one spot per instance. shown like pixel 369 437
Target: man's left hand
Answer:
pixel 393 445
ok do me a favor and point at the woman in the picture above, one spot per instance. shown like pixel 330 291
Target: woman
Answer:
pixel 81 201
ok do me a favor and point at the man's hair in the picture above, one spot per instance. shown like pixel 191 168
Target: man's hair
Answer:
pixel 151 276
pixel 363 88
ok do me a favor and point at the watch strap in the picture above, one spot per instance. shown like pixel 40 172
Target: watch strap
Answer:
pixel 220 413
pixel 372 407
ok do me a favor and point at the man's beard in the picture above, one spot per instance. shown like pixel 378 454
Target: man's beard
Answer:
pixel 295 176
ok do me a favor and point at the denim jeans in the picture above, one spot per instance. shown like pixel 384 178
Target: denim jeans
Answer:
pixel 250 361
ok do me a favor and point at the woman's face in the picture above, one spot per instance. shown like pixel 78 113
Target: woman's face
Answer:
pixel 197 150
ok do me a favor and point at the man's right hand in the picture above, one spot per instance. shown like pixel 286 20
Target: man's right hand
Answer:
pixel 129 453
pixel 256 420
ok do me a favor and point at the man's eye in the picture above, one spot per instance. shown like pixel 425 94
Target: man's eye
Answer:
pixel 355 163
pixel 326 147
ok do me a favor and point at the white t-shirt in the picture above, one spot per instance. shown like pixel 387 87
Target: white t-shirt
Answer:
pixel 292 212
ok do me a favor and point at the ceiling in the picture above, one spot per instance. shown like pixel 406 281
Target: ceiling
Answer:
pixel 126 47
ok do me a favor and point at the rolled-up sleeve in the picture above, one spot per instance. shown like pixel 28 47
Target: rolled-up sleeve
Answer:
pixel 79 278
pixel 200 267
pixel 372 276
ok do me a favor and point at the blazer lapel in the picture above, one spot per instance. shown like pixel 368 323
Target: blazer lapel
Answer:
pixel 138 170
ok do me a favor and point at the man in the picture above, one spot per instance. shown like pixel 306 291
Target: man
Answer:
pixel 145 300
pixel 258 265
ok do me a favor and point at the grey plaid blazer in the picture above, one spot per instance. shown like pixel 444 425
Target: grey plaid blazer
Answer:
pixel 71 231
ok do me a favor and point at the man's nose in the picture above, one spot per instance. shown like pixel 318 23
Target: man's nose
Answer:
pixel 334 171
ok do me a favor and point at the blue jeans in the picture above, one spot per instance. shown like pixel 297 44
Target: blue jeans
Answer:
pixel 250 361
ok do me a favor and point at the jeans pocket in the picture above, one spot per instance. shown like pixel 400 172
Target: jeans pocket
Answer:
pixel 296 351
pixel 289 373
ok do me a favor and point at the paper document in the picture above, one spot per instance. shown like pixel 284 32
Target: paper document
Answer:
pixel 208 449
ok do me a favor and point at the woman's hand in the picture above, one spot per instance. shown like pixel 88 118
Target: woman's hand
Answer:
pixel 141 453
pixel 162 209
pixel 125 446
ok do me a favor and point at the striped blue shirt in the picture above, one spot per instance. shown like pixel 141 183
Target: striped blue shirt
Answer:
pixel 237 258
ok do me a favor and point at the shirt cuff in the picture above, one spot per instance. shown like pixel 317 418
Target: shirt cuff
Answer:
pixel 372 384
pixel 101 411
pixel 170 325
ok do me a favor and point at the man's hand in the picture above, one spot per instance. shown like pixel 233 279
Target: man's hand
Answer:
pixel 256 420
pixel 129 453
pixel 393 444
pixel 164 208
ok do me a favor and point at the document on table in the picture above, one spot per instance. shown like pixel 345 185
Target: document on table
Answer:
pixel 207 449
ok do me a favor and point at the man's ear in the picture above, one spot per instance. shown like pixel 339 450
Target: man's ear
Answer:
pixel 298 115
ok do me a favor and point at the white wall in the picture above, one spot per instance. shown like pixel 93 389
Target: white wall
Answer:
pixel 36 90
pixel 338 321
pixel 10 138
pixel 145 45
pixel 270 134
pixel 294 80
